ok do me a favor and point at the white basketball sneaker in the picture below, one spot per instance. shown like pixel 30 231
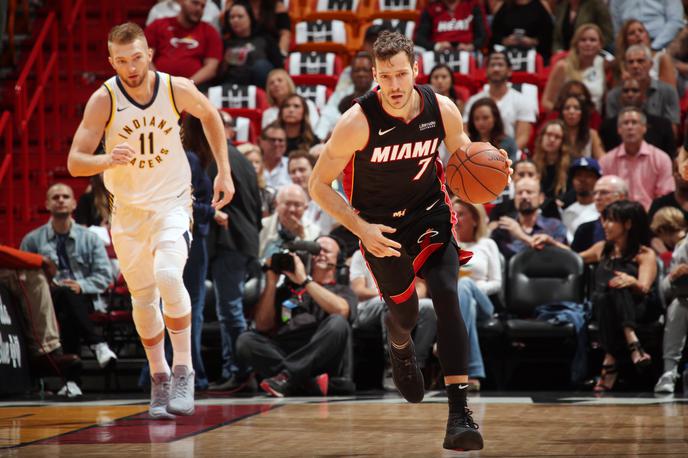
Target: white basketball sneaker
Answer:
pixel 182 391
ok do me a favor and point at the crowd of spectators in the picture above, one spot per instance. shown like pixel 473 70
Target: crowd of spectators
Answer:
pixel 598 170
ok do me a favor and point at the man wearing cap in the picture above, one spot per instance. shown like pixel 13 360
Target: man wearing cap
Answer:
pixel 584 173
pixel 646 169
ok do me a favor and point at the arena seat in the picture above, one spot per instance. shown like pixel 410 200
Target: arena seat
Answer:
pixel 325 36
pixel 238 96
pixel 534 278
pixel 318 94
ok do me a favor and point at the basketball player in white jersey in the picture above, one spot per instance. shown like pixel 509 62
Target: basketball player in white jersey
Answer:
pixel 146 170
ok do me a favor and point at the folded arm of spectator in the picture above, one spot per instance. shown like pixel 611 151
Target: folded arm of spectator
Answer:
pixel 101 274
pixel 207 72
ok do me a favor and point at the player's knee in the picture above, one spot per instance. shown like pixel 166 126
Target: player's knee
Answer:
pixel 146 312
pixel 403 320
pixel 170 259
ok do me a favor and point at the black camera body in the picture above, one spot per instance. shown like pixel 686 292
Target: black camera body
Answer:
pixel 283 261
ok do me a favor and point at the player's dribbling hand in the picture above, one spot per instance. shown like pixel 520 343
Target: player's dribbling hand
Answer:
pixel 376 243
pixel 225 186
pixel 121 154
pixel 509 162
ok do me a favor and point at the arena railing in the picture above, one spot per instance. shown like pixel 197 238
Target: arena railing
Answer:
pixel 7 132
pixel 73 16
pixel 30 95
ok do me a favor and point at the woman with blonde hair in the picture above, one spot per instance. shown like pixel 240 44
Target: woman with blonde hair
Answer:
pixel 278 87
pixel 633 32
pixel 668 227
pixel 551 157
pixel 479 278
pixel 583 63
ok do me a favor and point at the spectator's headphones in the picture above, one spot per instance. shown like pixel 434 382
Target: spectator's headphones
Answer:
pixel 341 269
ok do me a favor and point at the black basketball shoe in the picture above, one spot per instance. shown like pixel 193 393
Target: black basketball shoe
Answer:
pixel 406 373
pixel 462 432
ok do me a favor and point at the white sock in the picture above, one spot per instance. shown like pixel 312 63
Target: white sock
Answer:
pixel 181 344
pixel 156 358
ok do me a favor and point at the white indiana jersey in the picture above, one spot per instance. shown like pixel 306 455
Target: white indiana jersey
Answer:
pixel 159 176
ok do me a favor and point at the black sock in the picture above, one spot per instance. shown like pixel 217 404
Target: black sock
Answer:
pixel 403 353
pixel 456 393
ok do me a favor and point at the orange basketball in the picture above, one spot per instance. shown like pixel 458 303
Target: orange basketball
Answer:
pixel 478 173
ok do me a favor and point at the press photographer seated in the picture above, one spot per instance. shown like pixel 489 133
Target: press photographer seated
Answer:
pixel 301 326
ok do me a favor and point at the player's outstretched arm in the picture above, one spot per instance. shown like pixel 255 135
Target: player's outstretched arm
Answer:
pixel 349 135
pixel 81 160
pixel 188 98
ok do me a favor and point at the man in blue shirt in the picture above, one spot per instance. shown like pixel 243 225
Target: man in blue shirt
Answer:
pixel 83 270
pixel 516 232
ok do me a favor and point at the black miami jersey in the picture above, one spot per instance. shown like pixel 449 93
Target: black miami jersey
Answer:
pixel 399 169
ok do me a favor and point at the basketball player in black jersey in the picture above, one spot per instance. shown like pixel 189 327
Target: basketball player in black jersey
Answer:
pixel 386 145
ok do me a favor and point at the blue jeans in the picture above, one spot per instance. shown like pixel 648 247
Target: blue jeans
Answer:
pixel 475 306
pixel 194 279
pixel 229 274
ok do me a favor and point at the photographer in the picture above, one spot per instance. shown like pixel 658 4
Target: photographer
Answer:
pixel 287 223
pixel 301 327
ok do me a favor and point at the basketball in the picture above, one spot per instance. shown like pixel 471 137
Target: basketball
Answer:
pixel 478 173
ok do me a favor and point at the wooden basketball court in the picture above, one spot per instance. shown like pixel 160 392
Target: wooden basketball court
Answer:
pixel 549 424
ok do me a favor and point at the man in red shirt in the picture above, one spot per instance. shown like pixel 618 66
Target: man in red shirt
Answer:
pixel 184 45
pixel 452 24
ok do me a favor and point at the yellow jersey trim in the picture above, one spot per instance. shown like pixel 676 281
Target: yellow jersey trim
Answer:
pixel 112 105
pixel 171 92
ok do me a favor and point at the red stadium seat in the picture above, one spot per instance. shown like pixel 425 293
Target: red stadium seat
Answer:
pixel 238 96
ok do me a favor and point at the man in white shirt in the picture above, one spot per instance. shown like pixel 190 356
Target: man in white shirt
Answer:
pixel 170 8
pixel 518 113
pixel 273 144
pixel 584 172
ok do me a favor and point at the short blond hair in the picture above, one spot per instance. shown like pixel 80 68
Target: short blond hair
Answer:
pixel 479 215
pixel 126 33
pixel 668 219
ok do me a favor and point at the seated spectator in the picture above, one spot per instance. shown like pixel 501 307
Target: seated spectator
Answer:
pixel 608 189
pixel 678 50
pixel 660 132
pixel 552 158
pixel 646 169
pixel 248 54
pixel 83 271
pixel 485 125
pixel 677 199
pixel 93 208
pixel 272 18
pixel 504 204
pixel 523 24
pixel 287 223
pixel 371 310
pixel 441 79
pixel 267 193
pixel 570 15
pixel 663 20
pixel 295 119
pixel 633 32
pixel 668 226
pixel 574 88
pixel 184 45
pixel 479 278
pixel 278 87
pixel 452 25
pixel 583 63
pixel 624 276
pixel 515 233
pixel 361 75
pixel 676 324
pixel 273 144
pixel 584 173
pixel 518 113
pixel 580 139
pixel 26 276
pixel 302 327
pixel 660 98
pixel 300 166
pixel 170 8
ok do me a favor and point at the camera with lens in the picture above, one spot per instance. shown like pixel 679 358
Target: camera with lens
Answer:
pixel 283 261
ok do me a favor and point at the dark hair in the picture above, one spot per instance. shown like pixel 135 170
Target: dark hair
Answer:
pixel 226 26
pixel 301 154
pixel 497 132
pixel 193 139
pixel 583 134
pixel 373 32
pixel 562 165
pixel 306 134
pixel 389 44
pixel 273 125
pixel 622 211
pixel 452 91
pixel 565 90
pixel 495 52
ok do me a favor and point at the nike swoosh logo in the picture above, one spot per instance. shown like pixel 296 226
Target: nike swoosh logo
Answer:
pixel 383 132
pixel 122 109
pixel 432 205
pixel 463 387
